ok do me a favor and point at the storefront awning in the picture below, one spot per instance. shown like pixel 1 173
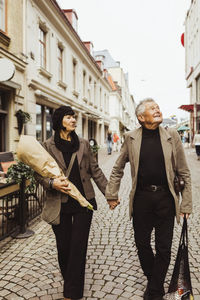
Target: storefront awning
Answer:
pixel 183 128
pixel 190 107
pixel 187 107
pixel 10 84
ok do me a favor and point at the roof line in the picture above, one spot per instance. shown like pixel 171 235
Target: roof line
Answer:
pixel 54 2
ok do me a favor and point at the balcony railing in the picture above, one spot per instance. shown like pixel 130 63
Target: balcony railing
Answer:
pixel 18 208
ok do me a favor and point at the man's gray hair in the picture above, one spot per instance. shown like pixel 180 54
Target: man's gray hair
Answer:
pixel 140 108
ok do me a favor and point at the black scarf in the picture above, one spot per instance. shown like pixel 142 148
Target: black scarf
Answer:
pixel 67 146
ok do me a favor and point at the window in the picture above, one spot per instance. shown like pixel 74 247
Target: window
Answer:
pixel 48 127
pixel 60 63
pixel 1 102
pixel 89 90
pixel 84 83
pixel 42 45
pixel 100 99
pixel 92 129
pixel 43 122
pixel 2 15
pixel 105 102
pixel 3 119
pixel 39 122
pixel 198 89
pixel 95 93
pixel 74 73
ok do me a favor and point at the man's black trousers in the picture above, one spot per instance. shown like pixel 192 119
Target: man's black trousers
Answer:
pixel 154 210
pixel 72 239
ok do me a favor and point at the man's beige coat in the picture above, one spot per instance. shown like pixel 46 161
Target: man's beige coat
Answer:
pixel 130 152
pixel 88 168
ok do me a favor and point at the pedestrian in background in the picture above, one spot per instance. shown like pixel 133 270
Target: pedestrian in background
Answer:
pixel 152 151
pixel 196 142
pixel 186 138
pixel 115 142
pixel 72 225
pixel 109 141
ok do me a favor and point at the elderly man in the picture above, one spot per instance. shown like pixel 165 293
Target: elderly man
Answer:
pixel 154 154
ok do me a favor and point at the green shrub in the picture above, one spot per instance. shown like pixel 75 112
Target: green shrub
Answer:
pixel 18 171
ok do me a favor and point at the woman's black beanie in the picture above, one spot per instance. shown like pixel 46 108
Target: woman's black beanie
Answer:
pixel 58 115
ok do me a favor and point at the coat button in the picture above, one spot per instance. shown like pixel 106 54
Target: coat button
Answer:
pixel 83 180
pixel 80 168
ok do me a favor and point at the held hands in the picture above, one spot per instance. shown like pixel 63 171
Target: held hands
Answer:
pixel 182 215
pixel 61 184
pixel 113 203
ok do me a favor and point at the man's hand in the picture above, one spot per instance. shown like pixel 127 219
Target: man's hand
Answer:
pixel 61 184
pixel 113 203
pixel 182 215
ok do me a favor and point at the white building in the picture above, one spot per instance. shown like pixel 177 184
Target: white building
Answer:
pixel 12 92
pixel 121 102
pixel 62 71
pixel 192 62
pixel 54 67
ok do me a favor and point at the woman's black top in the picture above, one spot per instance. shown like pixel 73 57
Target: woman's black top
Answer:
pixel 67 148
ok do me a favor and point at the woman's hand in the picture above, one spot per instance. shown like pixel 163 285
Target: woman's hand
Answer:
pixel 61 184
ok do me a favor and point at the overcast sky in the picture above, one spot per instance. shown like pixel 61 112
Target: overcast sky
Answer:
pixel 145 37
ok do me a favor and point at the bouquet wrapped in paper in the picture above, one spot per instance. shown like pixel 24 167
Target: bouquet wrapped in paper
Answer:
pixel 31 152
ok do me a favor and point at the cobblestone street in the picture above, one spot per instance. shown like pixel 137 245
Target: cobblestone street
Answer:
pixel 29 268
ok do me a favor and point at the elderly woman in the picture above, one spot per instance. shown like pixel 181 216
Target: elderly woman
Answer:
pixel 71 226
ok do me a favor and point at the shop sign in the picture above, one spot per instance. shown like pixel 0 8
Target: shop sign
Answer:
pixel 7 69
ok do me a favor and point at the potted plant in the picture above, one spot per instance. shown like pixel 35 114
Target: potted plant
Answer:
pixel 17 172
pixel 94 147
pixel 22 118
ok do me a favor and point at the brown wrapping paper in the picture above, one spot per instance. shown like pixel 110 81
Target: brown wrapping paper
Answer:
pixel 31 152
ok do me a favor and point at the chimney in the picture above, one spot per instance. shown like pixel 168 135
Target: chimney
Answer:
pixel 100 64
pixel 89 46
pixel 105 72
pixel 100 57
pixel 72 17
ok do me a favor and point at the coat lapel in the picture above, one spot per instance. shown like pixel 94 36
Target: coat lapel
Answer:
pixel 136 138
pixel 166 142
pixel 57 154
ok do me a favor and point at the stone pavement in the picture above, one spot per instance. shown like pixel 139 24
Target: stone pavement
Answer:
pixel 29 268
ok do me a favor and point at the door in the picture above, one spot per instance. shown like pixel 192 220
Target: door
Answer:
pixel 2 132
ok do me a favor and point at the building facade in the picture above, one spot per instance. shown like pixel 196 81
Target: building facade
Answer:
pixel 62 71
pixel 192 62
pixel 121 102
pixel 12 92
pixel 54 67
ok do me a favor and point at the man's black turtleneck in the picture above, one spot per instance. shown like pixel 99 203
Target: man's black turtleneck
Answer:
pixel 151 163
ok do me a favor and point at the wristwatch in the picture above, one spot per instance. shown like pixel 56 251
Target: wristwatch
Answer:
pixel 51 180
